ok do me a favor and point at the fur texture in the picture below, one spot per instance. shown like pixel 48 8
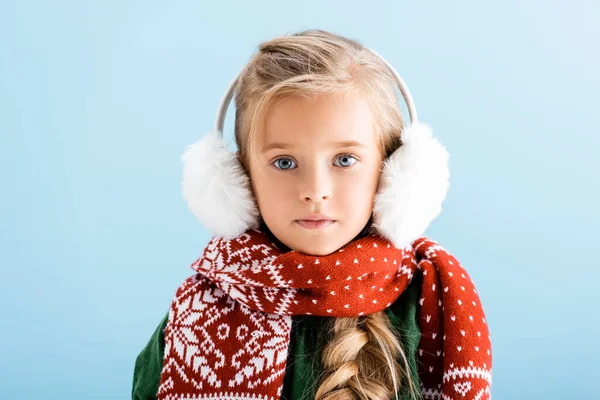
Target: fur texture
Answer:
pixel 413 185
pixel 217 189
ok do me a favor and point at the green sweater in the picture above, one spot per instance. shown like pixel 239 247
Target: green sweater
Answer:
pixel 307 339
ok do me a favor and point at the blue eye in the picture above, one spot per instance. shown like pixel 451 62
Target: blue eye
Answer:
pixel 344 157
pixel 285 159
pixel 347 157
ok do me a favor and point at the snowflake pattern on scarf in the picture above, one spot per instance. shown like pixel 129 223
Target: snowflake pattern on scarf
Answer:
pixel 229 324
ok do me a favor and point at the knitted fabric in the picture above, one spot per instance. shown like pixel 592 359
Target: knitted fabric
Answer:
pixel 229 324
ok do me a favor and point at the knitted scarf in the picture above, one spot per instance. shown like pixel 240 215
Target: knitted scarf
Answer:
pixel 229 325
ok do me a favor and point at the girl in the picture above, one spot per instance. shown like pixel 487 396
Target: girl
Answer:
pixel 318 283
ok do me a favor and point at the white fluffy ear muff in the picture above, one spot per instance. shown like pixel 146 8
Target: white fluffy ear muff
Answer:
pixel 217 189
pixel 413 184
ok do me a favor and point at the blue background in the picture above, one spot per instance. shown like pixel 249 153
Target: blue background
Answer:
pixel 98 100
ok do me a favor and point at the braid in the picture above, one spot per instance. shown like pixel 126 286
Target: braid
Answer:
pixel 361 360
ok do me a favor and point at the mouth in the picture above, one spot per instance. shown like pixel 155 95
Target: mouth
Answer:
pixel 315 224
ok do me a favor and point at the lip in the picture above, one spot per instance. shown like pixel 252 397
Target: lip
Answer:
pixel 315 224
pixel 316 217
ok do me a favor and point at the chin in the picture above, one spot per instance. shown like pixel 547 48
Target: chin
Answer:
pixel 313 242
pixel 311 252
pixel 319 249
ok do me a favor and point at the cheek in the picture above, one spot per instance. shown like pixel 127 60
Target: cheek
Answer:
pixel 355 197
pixel 358 190
pixel 271 190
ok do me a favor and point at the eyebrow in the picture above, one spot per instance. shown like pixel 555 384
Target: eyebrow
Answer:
pixel 345 143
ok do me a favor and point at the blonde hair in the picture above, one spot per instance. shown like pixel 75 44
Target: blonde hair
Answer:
pixel 362 358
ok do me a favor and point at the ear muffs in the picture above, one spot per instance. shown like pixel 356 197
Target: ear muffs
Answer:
pixel 413 184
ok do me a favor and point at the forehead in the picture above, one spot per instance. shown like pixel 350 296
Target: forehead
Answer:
pixel 318 122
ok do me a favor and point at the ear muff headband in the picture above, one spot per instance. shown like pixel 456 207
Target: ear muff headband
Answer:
pixel 412 111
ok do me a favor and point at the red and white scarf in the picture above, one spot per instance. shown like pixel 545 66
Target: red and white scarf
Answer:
pixel 229 325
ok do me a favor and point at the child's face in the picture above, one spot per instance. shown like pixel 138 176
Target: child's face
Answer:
pixel 314 176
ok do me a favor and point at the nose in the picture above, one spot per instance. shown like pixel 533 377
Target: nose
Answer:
pixel 315 185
